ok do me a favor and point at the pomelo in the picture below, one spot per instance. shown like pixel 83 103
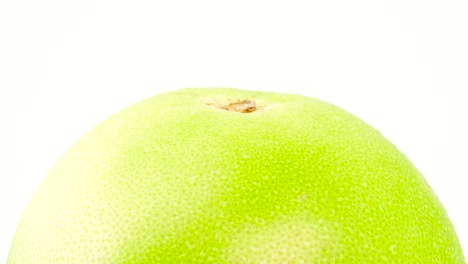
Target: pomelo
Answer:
pixel 234 176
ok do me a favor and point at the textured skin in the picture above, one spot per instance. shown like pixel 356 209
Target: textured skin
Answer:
pixel 176 179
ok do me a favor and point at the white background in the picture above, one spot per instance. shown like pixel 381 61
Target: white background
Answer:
pixel 65 66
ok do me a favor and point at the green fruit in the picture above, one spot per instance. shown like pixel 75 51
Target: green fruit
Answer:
pixel 233 176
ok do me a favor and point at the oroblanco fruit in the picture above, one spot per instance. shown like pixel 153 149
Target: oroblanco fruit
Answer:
pixel 234 176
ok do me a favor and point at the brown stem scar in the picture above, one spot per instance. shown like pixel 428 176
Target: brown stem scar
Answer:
pixel 245 106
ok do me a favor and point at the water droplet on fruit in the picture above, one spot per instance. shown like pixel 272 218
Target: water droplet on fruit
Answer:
pixel 189 245
pixel 302 198
pixel 259 220
pixel 393 249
